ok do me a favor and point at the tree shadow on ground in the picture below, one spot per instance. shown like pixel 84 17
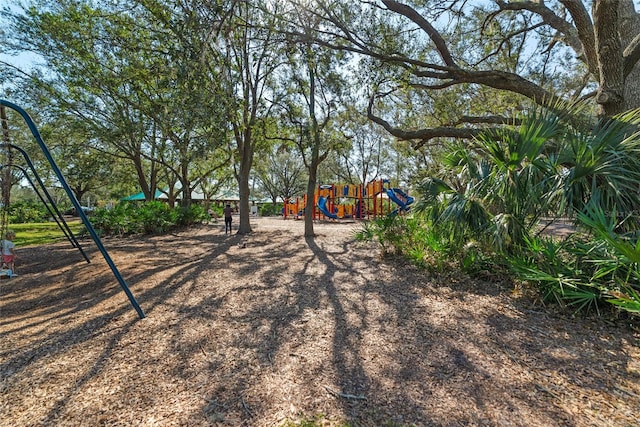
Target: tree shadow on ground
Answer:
pixel 423 354
pixel 259 329
pixel 46 306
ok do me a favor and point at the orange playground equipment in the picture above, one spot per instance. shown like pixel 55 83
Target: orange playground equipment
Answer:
pixel 294 208
pixel 339 201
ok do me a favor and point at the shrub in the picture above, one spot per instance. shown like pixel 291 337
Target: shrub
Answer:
pixel 269 209
pixel 27 211
pixel 119 220
pixel 490 195
pixel 156 217
pixel 190 215
pixel 426 245
pixel 216 212
pixel 149 217
pixel 587 270
pixel 387 231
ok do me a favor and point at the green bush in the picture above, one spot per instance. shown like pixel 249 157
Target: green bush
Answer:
pixel 387 231
pixel 588 270
pixel 156 217
pixel 119 220
pixel 427 245
pixel 216 212
pixel 491 193
pixel 26 211
pixel 148 218
pixel 269 209
pixel 193 214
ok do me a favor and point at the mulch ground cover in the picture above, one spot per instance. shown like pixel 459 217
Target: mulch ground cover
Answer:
pixel 273 329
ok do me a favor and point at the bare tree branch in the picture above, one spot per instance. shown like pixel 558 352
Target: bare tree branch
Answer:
pixel 422 136
pixel 507 39
pixel 433 34
pixel 548 16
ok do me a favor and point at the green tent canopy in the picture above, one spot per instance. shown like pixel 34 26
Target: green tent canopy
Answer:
pixel 140 196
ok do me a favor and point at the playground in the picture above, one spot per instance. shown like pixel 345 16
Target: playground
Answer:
pixel 374 200
pixel 272 330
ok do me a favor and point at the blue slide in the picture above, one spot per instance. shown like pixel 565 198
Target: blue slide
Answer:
pixel 322 205
pixel 400 198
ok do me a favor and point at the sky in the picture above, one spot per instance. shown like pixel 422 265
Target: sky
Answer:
pixel 23 60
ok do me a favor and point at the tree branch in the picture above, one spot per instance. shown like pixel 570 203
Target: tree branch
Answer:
pixel 422 136
pixel 434 35
pixel 631 55
pixel 585 30
pixel 496 120
pixel 507 81
pixel 580 38
pixel 507 39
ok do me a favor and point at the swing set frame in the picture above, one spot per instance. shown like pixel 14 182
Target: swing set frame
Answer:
pixel 51 206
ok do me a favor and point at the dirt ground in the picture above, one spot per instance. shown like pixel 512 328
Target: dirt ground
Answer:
pixel 286 330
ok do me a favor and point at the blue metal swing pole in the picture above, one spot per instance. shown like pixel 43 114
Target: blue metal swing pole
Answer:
pixel 57 216
pixel 76 204
pixel 60 221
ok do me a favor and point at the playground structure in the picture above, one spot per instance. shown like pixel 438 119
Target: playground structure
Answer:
pixel 44 195
pixel 339 201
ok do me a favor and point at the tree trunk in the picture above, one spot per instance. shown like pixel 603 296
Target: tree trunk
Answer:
pixel 78 193
pixel 244 192
pixel 244 226
pixel 142 179
pixel 629 27
pixel 186 185
pixel 309 206
pixel 610 61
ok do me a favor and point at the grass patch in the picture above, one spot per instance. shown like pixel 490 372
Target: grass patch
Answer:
pixel 40 233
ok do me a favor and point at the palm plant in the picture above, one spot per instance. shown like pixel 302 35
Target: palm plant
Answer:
pixel 614 259
pixel 506 180
pixel 586 270
pixel 502 183
pixel 496 190
pixel 603 160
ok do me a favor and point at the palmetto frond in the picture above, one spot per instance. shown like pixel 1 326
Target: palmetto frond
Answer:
pixel 606 162
pixel 546 164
